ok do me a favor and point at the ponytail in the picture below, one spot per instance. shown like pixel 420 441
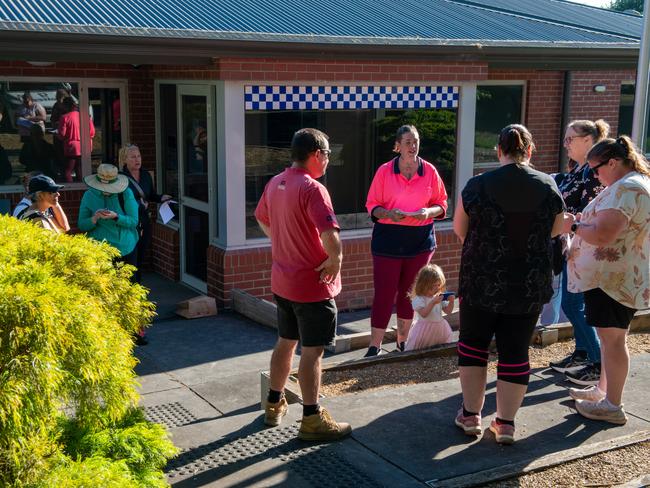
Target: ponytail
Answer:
pixel 634 158
pixel 515 141
pixel 624 149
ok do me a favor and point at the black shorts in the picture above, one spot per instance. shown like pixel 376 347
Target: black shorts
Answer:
pixel 602 311
pixel 313 323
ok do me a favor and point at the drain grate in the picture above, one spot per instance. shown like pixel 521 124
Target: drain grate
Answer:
pixel 318 464
pixel 170 414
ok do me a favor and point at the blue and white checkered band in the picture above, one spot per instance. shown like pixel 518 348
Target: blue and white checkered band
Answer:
pixel 282 97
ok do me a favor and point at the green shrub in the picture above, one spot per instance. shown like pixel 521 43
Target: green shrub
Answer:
pixel 134 440
pixel 90 472
pixel 67 315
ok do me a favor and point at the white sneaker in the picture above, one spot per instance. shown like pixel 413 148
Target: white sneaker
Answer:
pixel 593 394
pixel 602 410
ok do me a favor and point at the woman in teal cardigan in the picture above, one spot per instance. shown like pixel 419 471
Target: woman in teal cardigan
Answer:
pixel 105 215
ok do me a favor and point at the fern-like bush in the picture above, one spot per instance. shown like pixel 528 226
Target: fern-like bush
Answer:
pixel 67 315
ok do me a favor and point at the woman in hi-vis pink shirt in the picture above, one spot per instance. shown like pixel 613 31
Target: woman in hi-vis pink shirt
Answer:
pixel 405 196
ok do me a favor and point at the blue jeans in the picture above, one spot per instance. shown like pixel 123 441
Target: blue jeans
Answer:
pixel 573 306
pixel 552 311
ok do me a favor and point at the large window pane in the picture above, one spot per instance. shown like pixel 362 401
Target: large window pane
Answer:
pixel 626 113
pixel 195 132
pixel 168 139
pixel 626 109
pixel 31 114
pixel 360 141
pixel 496 107
pixel 106 114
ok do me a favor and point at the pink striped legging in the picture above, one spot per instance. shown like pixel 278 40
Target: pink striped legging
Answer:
pixel 394 276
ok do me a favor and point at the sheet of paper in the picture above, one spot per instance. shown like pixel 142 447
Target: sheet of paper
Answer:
pixel 165 211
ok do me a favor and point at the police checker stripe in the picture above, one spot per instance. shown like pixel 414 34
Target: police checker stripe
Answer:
pixel 283 97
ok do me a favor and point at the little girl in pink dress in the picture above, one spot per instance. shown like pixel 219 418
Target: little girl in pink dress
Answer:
pixel 430 328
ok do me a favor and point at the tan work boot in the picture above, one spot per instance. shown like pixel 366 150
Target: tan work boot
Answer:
pixel 274 412
pixel 322 427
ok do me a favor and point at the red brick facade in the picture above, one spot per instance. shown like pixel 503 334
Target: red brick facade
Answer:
pixel 249 269
pixel 588 104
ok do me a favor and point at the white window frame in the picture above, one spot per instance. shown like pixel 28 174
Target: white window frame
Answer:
pixel 231 124
pixel 83 84
pixel 218 230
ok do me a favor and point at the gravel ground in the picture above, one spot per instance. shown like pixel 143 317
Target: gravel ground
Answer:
pixel 609 468
pixel 426 370
pixel 602 470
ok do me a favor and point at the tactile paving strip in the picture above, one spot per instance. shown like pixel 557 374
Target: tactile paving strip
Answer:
pixel 169 414
pixel 318 464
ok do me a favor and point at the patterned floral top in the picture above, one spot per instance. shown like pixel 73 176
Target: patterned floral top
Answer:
pixel 506 261
pixel 579 187
pixel 621 269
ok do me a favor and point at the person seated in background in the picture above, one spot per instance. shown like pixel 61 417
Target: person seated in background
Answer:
pixel 45 209
pixel 29 114
pixel 37 154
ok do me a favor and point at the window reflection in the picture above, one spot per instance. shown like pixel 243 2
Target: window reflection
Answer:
pixel 168 139
pixel 195 134
pixel 496 107
pixel 360 140
pixel 30 115
pixel 107 121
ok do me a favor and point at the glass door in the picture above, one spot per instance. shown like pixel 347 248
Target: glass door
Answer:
pixel 196 188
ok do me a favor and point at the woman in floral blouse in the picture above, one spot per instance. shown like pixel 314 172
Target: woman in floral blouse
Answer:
pixel 578 188
pixel 609 262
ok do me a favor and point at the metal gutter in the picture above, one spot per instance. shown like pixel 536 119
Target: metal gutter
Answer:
pixel 141 50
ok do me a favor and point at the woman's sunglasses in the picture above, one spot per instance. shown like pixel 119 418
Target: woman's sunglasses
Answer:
pixel 595 168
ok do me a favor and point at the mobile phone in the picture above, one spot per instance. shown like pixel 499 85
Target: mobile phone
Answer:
pixel 447 294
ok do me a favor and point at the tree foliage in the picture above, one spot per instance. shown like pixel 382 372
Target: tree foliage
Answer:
pixel 67 315
pixel 622 5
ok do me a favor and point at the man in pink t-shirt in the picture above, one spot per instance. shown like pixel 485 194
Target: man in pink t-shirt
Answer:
pixel 296 213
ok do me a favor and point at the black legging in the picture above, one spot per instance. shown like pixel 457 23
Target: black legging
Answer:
pixel 512 332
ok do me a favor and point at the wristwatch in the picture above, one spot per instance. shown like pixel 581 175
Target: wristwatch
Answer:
pixel 574 227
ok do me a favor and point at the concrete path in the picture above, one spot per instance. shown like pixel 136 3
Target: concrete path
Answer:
pixel 201 378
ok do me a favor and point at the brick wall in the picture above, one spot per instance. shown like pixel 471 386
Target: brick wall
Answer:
pixel 543 112
pixel 250 269
pixel 585 103
pixel 165 251
pixel 265 69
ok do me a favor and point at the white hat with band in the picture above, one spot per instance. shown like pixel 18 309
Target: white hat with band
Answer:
pixel 107 179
